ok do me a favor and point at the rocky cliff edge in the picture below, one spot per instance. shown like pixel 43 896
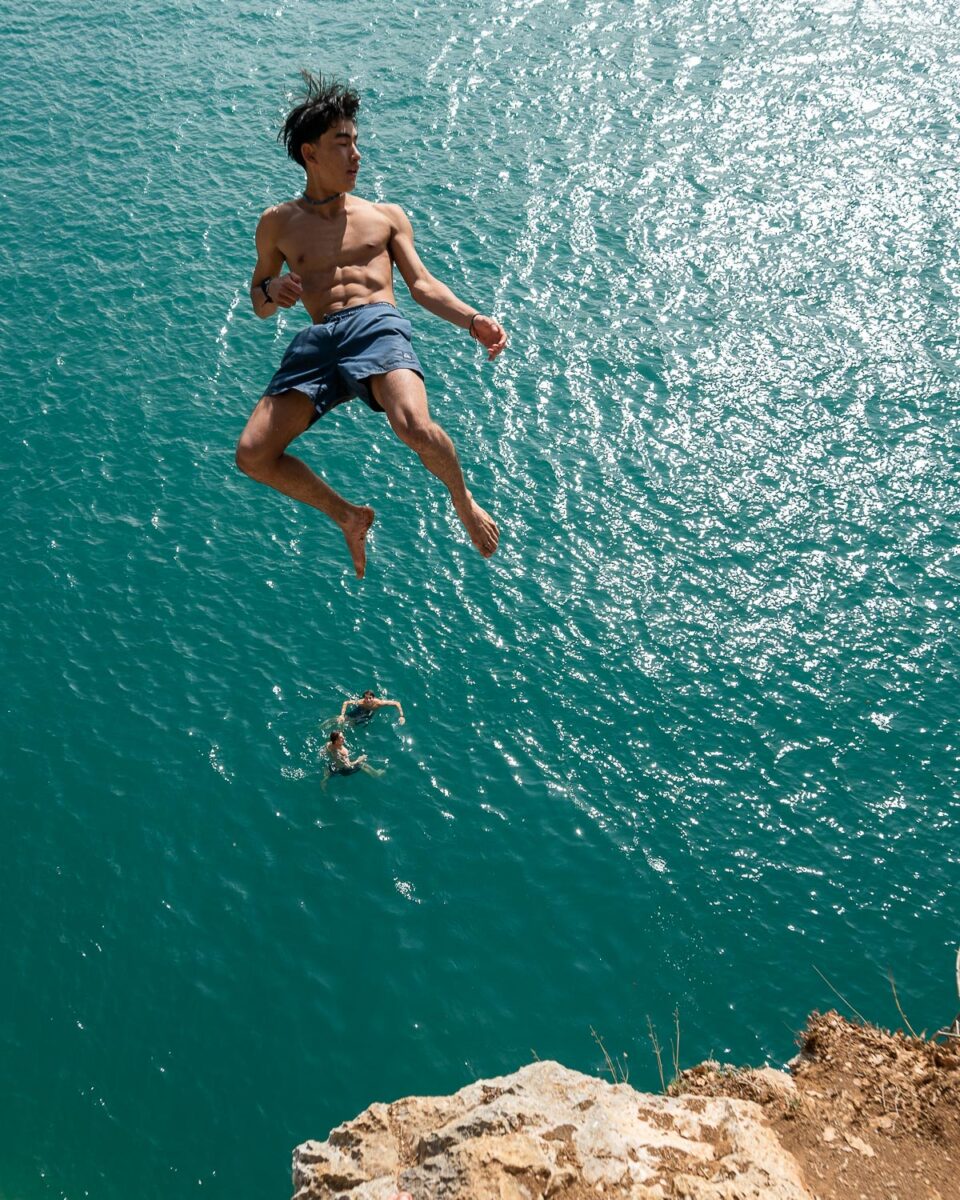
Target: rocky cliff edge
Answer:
pixel 864 1115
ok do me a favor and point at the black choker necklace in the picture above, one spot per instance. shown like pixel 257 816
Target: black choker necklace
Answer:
pixel 325 200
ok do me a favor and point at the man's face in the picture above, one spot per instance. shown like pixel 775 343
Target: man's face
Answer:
pixel 334 158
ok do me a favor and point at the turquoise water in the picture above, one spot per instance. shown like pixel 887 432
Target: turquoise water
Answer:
pixel 688 740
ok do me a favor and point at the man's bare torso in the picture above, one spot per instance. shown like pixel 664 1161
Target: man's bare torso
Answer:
pixel 342 260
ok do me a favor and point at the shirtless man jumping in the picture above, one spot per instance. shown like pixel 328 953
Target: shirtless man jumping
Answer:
pixel 340 252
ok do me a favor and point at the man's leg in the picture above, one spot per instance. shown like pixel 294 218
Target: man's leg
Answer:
pixel 403 397
pixel 261 454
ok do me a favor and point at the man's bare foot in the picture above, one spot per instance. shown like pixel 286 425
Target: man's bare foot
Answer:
pixel 355 528
pixel 401 1196
pixel 480 525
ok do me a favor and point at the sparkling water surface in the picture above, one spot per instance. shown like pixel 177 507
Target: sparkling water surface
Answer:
pixel 687 741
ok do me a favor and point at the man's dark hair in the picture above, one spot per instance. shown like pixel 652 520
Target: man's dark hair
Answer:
pixel 327 102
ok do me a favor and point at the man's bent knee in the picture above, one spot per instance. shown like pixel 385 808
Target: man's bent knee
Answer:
pixel 273 425
pixel 251 460
pixel 418 435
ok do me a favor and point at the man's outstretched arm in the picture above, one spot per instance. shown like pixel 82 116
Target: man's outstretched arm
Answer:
pixel 282 291
pixel 399 707
pixel 435 296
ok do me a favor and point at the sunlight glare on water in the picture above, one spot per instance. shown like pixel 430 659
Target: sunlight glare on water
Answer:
pixel 688 740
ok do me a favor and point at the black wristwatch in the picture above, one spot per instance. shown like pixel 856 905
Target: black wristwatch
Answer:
pixel 264 285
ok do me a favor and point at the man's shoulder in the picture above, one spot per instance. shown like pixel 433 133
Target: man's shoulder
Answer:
pixel 380 208
pixel 279 214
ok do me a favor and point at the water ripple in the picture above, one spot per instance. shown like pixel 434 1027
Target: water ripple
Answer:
pixel 691 733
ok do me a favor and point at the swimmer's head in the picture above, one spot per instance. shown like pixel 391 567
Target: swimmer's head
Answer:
pixel 336 736
pixel 368 695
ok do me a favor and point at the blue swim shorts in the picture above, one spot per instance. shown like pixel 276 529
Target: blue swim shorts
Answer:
pixel 332 361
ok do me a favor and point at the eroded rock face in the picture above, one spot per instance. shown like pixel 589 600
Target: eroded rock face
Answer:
pixel 546 1131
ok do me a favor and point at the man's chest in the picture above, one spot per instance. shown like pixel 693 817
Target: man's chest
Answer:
pixel 321 245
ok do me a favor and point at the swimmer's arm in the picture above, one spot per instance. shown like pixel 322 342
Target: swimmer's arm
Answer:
pixel 397 705
pixel 285 290
pixel 433 295
pixel 348 703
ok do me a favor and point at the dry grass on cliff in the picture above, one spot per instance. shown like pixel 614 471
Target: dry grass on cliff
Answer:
pixel 874 1115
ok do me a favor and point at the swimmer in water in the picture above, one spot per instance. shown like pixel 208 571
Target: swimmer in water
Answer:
pixel 339 761
pixel 359 709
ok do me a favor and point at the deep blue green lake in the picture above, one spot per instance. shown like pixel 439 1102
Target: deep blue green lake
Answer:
pixel 689 741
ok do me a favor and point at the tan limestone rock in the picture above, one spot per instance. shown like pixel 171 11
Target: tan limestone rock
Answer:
pixel 548 1132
